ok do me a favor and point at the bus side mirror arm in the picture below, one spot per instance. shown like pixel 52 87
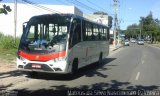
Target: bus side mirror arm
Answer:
pixel 24 26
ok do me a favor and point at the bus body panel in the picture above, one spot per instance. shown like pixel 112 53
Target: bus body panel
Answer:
pixel 88 52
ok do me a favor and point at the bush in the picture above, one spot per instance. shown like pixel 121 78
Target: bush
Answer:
pixel 1 35
pixel 158 38
pixel 8 42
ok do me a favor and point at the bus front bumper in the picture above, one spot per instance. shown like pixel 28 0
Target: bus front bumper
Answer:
pixel 60 67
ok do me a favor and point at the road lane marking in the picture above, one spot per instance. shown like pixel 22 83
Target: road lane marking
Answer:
pixel 142 61
pixel 137 76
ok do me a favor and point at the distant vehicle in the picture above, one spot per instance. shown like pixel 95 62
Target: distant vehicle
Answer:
pixel 140 42
pixel 61 43
pixel 133 40
pixel 126 42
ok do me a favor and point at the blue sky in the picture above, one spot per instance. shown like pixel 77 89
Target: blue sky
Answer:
pixel 129 11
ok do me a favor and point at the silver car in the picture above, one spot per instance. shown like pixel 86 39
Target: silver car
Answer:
pixel 140 42
pixel 133 40
pixel 126 42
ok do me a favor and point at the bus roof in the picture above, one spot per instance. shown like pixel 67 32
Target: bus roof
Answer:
pixel 70 15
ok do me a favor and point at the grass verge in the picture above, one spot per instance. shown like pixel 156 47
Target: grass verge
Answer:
pixel 8 48
pixel 156 45
pixel 8 55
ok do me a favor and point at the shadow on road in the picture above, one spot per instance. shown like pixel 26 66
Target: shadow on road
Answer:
pixel 88 71
pixel 4 75
pixel 10 74
pixel 63 89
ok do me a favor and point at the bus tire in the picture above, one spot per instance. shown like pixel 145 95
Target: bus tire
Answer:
pixel 100 59
pixel 74 68
pixel 32 74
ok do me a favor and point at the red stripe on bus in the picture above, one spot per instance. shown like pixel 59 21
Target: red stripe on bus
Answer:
pixel 40 57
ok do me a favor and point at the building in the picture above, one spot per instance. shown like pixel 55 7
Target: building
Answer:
pixel 26 11
pixel 100 18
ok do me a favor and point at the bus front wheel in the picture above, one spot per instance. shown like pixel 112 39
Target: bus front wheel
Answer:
pixel 100 59
pixel 74 68
pixel 32 74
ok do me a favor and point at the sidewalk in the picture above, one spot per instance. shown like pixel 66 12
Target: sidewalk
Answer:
pixel 111 47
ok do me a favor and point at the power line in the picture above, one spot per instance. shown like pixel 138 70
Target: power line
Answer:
pixel 30 5
pixel 95 5
pixel 86 5
pixel 100 7
pixel 40 6
pixel 82 5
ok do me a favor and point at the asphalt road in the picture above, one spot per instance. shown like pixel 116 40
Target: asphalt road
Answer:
pixel 131 67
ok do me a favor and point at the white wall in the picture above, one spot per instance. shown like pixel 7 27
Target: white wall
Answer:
pixel 25 12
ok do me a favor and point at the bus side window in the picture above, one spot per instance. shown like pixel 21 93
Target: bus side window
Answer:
pixel 105 34
pixel 76 33
pixel 108 34
pixel 84 31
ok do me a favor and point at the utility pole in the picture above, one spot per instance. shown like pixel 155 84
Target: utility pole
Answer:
pixel 118 27
pixel 115 5
pixel 15 20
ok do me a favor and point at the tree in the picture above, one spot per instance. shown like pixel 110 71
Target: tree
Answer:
pixel 157 31
pixel 5 9
pixel 132 31
pixel 150 26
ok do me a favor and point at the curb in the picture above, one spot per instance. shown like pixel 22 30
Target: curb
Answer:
pixel 116 48
pixel 113 50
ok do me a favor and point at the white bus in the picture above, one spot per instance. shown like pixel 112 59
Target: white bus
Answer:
pixel 61 43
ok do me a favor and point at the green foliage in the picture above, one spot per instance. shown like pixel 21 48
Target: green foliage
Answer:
pixel 149 27
pixel 152 27
pixel 5 9
pixel 8 42
pixel 148 23
pixel 8 47
pixel 132 31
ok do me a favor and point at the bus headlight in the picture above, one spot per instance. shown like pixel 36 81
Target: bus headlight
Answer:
pixel 55 60
pixel 59 59
pixel 62 58
pixel 21 58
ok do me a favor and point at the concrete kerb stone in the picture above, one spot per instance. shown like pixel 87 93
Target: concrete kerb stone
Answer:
pixel 111 49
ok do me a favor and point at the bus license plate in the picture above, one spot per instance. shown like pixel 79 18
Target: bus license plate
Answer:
pixel 36 66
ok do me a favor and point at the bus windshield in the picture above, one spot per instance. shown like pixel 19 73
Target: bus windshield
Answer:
pixel 43 33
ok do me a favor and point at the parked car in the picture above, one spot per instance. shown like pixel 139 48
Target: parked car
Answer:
pixel 126 43
pixel 133 40
pixel 140 42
